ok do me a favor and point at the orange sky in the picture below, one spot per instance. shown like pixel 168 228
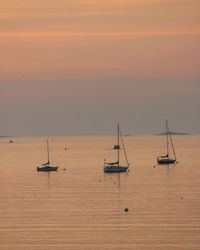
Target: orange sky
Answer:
pixel 92 38
pixel 88 64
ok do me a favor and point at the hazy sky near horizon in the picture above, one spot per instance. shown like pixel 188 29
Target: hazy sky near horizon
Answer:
pixel 78 67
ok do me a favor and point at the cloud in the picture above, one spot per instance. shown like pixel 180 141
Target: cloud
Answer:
pixel 97 34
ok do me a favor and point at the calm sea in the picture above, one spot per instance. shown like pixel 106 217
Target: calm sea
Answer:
pixel 83 208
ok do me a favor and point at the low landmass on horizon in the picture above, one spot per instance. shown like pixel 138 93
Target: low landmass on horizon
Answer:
pixel 6 136
pixel 173 133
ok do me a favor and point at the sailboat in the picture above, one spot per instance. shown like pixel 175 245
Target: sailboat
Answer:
pixel 47 166
pixel 115 167
pixel 116 146
pixel 165 159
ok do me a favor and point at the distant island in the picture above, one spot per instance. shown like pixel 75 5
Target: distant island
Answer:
pixel 6 136
pixel 173 133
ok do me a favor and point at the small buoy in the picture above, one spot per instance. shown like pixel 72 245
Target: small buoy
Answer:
pixel 64 169
pixel 181 197
pixel 126 209
pixel 154 166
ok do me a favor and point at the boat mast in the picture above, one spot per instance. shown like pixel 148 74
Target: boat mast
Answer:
pixel 118 143
pixel 167 132
pixel 48 150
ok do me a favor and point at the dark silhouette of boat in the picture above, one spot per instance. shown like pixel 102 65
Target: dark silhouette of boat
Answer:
pixel 165 159
pixel 116 146
pixel 115 167
pixel 46 166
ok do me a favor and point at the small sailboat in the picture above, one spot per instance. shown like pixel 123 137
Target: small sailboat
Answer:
pixel 165 159
pixel 116 146
pixel 115 167
pixel 47 166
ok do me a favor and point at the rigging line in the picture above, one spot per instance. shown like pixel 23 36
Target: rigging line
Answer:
pixel 171 141
pixel 118 143
pixel 167 134
pixel 124 148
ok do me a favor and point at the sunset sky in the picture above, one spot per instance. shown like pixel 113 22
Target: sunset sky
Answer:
pixel 77 67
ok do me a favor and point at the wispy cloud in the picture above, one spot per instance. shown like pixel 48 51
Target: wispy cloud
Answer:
pixel 97 34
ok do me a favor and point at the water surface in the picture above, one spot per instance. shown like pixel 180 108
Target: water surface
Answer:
pixel 83 208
